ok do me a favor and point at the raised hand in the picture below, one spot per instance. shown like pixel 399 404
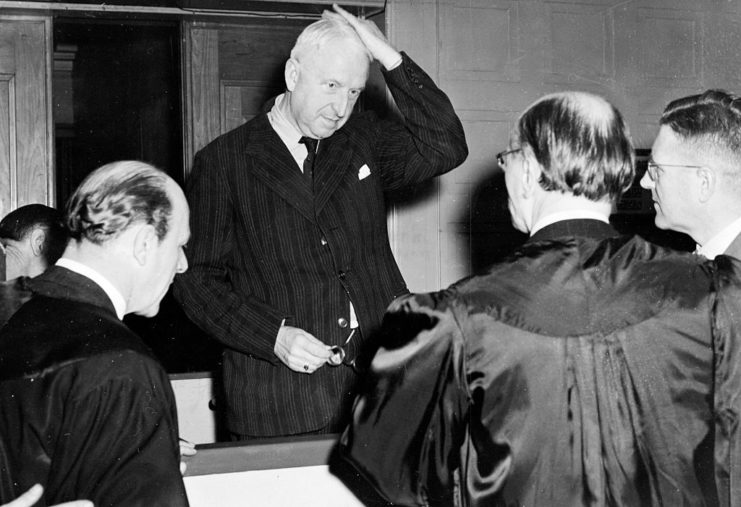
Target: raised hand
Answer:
pixel 371 36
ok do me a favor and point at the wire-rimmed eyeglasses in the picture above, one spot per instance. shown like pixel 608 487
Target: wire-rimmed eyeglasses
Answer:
pixel 653 169
pixel 500 156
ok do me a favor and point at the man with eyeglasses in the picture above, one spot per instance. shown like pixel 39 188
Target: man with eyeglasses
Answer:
pixel 694 176
pixel 577 372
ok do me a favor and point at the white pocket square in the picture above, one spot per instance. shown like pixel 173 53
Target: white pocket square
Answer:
pixel 364 172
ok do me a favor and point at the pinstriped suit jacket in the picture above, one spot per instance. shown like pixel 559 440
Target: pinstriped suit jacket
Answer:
pixel 265 248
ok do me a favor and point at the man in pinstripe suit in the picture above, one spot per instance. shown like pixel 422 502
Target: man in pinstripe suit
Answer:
pixel 291 267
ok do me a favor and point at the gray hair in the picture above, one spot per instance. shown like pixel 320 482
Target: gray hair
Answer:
pixel 116 196
pixel 582 143
pixel 328 28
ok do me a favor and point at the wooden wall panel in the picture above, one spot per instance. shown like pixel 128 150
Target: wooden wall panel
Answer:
pixel 26 170
pixel 8 167
pixel 201 82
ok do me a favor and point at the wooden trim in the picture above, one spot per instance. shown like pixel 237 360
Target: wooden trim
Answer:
pixel 264 454
pixel 281 8
pixel 191 375
pixel 51 169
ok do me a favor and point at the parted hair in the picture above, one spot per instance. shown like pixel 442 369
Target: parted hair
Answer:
pixel 710 122
pixel 20 222
pixel 329 27
pixel 582 143
pixel 116 196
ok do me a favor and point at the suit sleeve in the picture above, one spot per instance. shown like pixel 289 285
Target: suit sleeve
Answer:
pixel 240 321
pixel 429 141
pixel 727 396
pixel 417 378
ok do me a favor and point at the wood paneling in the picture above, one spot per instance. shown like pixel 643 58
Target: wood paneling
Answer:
pixel 494 57
pixel 201 80
pixel 26 172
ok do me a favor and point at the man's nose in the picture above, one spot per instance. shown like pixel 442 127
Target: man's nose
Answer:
pixel 340 105
pixel 182 266
pixel 647 182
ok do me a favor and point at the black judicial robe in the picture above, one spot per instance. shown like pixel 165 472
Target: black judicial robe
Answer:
pixel 85 409
pixel 727 396
pixel 578 372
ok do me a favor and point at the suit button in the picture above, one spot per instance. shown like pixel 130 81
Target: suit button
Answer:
pixel 324 241
pixel 341 275
pixel 342 322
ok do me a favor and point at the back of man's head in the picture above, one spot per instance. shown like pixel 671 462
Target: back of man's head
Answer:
pixel 116 196
pixel 20 223
pixel 710 125
pixel 582 143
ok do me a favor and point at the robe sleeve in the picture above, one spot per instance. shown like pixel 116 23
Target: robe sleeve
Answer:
pixel 119 444
pixel 727 398
pixel 409 420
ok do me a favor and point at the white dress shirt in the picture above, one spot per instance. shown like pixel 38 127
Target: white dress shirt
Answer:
pixel 119 303
pixel 721 241
pixel 287 132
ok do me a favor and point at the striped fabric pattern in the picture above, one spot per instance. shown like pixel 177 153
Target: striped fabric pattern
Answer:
pixel 265 248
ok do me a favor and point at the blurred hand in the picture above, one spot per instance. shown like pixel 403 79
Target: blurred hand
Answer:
pixel 299 350
pixel 186 449
pixel 33 495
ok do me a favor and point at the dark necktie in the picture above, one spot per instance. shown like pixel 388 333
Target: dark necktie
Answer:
pixel 311 145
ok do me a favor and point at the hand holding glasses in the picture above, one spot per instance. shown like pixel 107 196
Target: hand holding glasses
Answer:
pixel 338 352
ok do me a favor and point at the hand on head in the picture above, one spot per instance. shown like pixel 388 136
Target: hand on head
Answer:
pixel 370 34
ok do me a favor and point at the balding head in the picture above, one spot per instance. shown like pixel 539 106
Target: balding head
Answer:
pixel 581 142
pixel 130 222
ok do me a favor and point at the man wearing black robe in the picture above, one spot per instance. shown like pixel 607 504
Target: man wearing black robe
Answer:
pixel 576 372
pixel 85 409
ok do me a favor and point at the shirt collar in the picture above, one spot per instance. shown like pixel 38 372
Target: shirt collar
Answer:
pixel 721 241
pixel 119 303
pixel 287 132
pixel 568 215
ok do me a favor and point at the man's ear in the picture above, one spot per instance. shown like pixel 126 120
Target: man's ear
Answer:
pixel 291 74
pixel 38 237
pixel 530 174
pixel 144 241
pixel 708 181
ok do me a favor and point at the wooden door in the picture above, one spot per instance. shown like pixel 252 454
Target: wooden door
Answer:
pixel 26 171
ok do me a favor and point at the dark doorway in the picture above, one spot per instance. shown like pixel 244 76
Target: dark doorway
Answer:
pixel 116 97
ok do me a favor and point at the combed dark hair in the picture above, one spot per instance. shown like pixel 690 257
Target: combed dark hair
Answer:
pixel 582 143
pixel 116 196
pixel 710 120
pixel 19 223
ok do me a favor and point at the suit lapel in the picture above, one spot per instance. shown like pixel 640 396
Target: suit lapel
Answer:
pixel 333 161
pixel 274 165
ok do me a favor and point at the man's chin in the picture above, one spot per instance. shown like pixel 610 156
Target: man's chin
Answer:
pixel 660 222
pixel 149 312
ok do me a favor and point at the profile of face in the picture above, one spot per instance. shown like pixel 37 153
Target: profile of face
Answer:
pixel 324 87
pixel 672 184
pixel 166 257
pixel 24 257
